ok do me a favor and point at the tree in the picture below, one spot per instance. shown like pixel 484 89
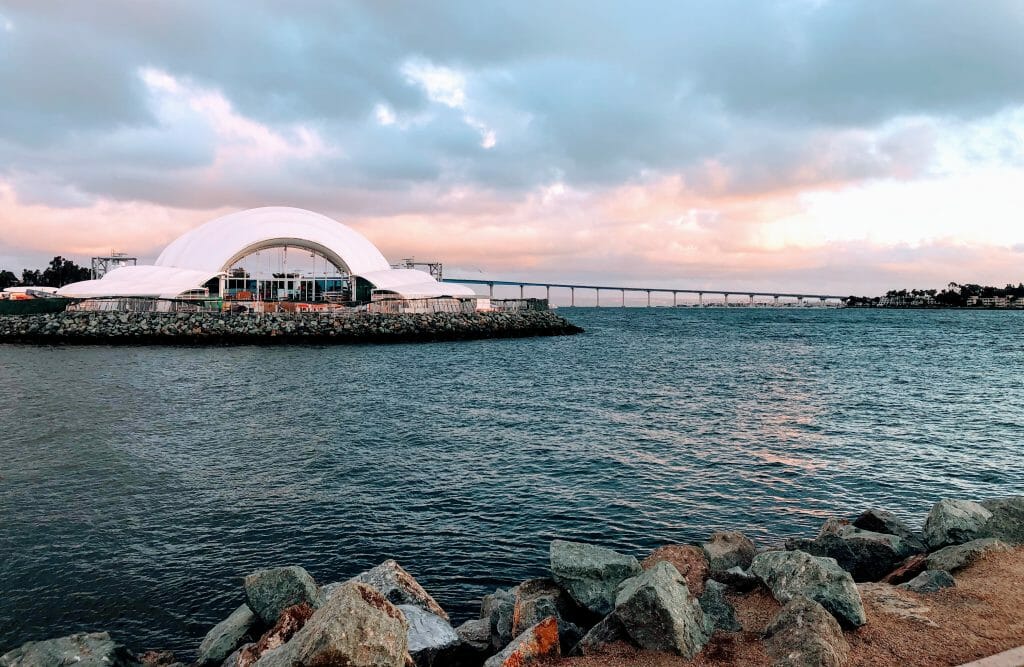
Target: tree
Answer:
pixel 31 278
pixel 7 279
pixel 62 271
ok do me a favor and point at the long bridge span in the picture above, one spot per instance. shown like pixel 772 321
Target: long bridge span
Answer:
pixel 675 292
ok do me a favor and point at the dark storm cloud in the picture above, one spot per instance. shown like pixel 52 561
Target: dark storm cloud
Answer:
pixel 584 92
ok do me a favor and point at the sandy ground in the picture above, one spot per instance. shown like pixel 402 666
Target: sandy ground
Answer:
pixel 983 615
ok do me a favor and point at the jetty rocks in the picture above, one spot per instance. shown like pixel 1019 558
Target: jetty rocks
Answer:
pixel 681 599
pixel 130 328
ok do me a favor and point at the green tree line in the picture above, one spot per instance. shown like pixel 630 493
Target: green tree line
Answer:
pixel 59 273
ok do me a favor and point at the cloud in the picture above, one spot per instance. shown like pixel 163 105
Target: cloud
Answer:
pixel 686 140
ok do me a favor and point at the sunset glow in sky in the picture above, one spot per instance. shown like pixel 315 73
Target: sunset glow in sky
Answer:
pixel 817 145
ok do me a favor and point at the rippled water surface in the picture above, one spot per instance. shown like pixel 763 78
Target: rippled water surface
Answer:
pixel 137 486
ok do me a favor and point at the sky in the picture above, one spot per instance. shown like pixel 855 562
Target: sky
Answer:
pixel 802 145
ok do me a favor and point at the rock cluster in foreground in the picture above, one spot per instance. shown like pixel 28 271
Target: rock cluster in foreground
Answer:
pixel 594 597
pixel 123 328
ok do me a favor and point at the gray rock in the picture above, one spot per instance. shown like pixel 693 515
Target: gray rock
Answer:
pixel 804 634
pixel 399 587
pixel 537 644
pixel 929 581
pixel 865 554
pixel 719 613
pixel 590 574
pixel 356 627
pixel 1007 520
pixel 536 599
pixel 83 649
pixel 475 637
pixel 492 600
pixel 738 578
pixel 826 545
pixel 531 611
pixel 726 550
pixel 500 609
pixel 220 642
pixel 233 659
pixel 431 638
pixel 269 592
pixel 954 522
pixel 789 574
pixel 880 521
pixel 832 526
pixel 607 631
pixel 658 612
pixel 959 556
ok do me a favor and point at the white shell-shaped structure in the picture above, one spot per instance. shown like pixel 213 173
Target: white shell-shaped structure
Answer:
pixel 212 248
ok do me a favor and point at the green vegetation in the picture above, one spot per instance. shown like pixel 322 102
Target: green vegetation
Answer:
pixel 954 295
pixel 60 272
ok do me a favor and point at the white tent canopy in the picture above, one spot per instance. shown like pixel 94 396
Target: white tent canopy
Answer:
pixel 212 248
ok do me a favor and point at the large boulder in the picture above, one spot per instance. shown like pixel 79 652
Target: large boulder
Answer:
pixel 356 627
pixel 83 649
pixel 738 579
pixel 805 634
pixel 880 521
pixel 788 574
pixel 537 644
pixel 954 522
pixel 1007 520
pixel 590 574
pixel 865 554
pixel 959 556
pixel 719 613
pixel 659 613
pixel 606 631
pixel 269 592
pixel 431 638
pixel 690 561
pixel 225 637
pixel 929 581
pixel 399 587
pixel 726 550
pixel 536 599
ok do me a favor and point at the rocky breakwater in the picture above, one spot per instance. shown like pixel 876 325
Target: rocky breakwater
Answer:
pixel 681 599
pixel 123 328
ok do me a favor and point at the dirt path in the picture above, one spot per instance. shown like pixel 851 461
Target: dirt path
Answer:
pixel 983 615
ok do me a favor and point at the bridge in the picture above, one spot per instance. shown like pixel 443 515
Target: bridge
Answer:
pixel 675 292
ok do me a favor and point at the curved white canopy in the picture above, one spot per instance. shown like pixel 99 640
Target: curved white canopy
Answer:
pixel 212 248
pixel 219 243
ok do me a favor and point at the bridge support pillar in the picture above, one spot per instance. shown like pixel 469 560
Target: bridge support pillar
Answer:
pixel 674 298
pixel 597 291
pixel 700 299
pixel 648 298
pixel 547 294
pixel 726 297
pixel 623 298
pixel 490 290
pixel 776 300
pixel 572 296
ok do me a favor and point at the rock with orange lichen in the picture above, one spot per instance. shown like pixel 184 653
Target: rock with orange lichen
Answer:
pixel 690 561
pixel 399 587
pixel 537 644
pixel 659 613
pixel 591 574
pixel 356 627
pixel 288 623
pixel 804 634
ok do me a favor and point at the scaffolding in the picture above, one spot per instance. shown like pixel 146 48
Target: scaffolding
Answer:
pixel 115 260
